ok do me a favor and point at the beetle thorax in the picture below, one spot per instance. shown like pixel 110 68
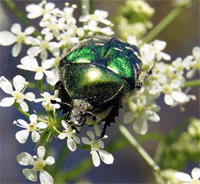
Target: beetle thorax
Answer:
pixel 79 109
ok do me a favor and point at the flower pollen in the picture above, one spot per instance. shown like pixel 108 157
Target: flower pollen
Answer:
pixel 39 164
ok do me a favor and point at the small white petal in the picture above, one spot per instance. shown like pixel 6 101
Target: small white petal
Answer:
pixel 33 117
pixel 5 85
pixel 97 130
pixel 50 6
pixel 35 136
pixel 95 158
pixel 38 100
pixel 183 176
pixel 65 124
pixel 48 37
pixel 22 122
pixel 195 173
pixel 128 117
pixel 34 15
pixel 50 74
pixel 16 49
pixel 22 136
pixel 190 74
pixel 140 126
pixel 61 136
pixel 85 140
pixel 154 117
pixel 30 174
pixel 34 51
pixel 101 144
pixel 25 159
pixel 38 76
pixel 48 63
pixel 106 157
pixel 45 177
pixel 41 125
pixel 30 62
pixel 16 28
pixel 179 96
pixel 71 144
pixel 24 106
pixel 91 135
pixel 168 99
pixel 196 52
pixel 29 30
pixel 76 139
pixel 165 56
pixel 41 151
pixel 19 82
pixel 29 40
pixel 50 160
pixel 30 96
pixel 33 8
pixel 7 38
pixel 43 54
pixel 7 102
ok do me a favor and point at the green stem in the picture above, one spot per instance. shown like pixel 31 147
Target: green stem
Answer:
pixel 26 22
pixel 88 6
pixel 61 160
pixel 140 150
pixel 118 144
pixel 39 83
pixel 166 21
pixel 192 83
pixel 20 110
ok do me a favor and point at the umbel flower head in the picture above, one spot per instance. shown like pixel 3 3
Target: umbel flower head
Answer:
pixel 186 178
pixel 97 151
pixel 20 84
pixel 38 163
pixel 16 35
pixel 33 127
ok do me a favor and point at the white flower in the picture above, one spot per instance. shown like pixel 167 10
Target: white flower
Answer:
pixel 133 40
pixel 31 64
pixel 20 84
pixel 33 127
pixel 96 150
pixel 42 45
pixel 173 93
pixel 69 134
pixel 46 101
pixel 50 24
pixel 38 163
pixel 16 35
pixel 98 16
pixel 195 64
pixel 142 110
pixel 186 178
pixel 36 11
pixel 154 49
pixel 92 26
pixel 53 81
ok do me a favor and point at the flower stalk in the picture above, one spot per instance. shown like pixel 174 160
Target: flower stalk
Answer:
pixel 21 16
pixel 140 150
pixel 165 22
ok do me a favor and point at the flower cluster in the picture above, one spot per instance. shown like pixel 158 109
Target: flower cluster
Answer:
pixel 59 33
pixel 167 79
pixel 186 178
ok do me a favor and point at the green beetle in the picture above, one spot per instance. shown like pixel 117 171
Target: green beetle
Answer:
pixel 94 78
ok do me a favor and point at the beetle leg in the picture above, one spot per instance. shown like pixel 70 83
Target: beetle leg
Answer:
pixel 62 103
pixel 111 116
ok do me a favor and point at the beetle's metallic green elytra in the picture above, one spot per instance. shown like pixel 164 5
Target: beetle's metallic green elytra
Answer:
pixel 94 76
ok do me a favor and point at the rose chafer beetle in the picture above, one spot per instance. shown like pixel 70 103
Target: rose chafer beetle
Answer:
pixel 95 76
